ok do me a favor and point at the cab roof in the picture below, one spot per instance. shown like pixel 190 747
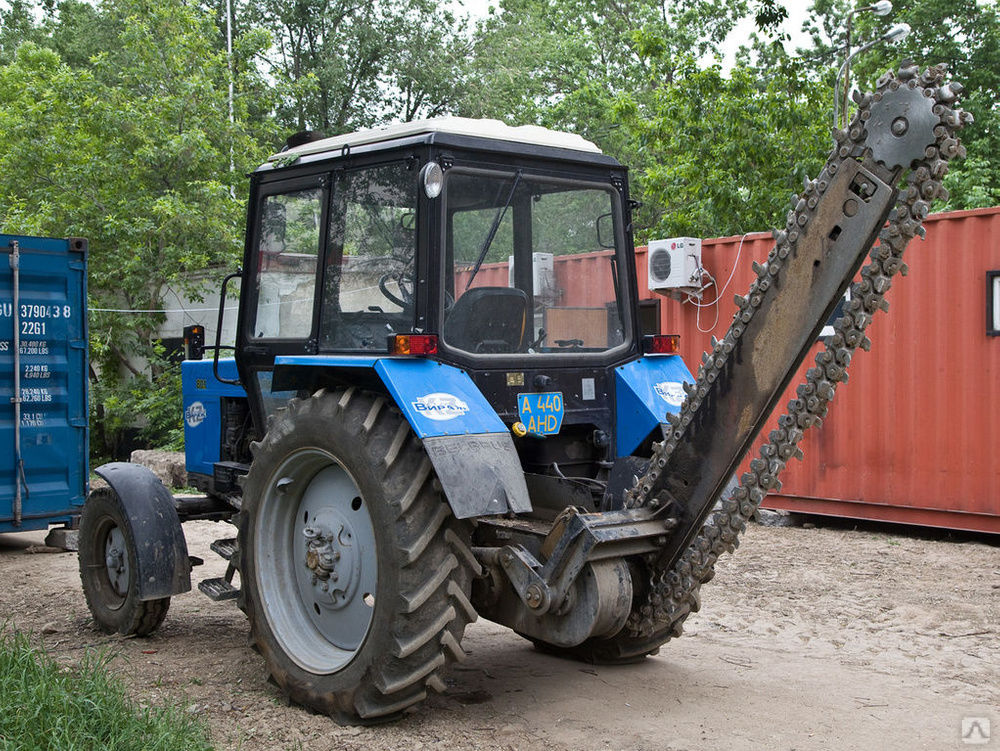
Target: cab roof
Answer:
pixel 476 133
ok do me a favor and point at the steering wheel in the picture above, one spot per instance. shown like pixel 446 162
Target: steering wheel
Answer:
pixel 404 291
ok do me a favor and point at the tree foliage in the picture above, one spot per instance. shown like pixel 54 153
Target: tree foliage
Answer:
pixel 345 65
pixel 965 35
pixel 133 152
pixel 722 154
pixel 115 118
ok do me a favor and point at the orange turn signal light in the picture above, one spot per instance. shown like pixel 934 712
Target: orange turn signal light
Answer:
pixel 413 344
pixel 662 344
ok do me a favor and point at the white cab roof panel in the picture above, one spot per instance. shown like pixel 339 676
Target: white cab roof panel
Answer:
pixel 462 126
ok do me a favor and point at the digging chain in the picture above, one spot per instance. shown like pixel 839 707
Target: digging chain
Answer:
pixel 673 593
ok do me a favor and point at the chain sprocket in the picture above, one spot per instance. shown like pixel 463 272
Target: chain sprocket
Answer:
pixel 907 108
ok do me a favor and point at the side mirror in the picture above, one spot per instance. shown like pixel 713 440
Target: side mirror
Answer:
pixel 606 231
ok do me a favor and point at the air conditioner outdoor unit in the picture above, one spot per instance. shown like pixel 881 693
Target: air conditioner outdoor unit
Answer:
pixel 674 264
pixel 542 274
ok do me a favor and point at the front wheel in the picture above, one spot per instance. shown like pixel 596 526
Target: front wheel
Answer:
pixel 355 574
pixel 108 569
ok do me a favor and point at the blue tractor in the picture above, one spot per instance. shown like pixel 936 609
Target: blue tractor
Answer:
pixel 425 422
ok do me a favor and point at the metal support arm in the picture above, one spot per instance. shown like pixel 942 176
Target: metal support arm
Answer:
pixel 577 538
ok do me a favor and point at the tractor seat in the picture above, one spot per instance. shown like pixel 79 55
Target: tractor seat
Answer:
pixel 488 320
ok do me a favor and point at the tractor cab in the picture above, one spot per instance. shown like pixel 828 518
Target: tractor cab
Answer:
pixel 459 243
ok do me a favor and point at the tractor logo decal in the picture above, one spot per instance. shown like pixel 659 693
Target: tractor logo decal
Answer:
pixel 440 406
pixel 195 414
pixel 672 392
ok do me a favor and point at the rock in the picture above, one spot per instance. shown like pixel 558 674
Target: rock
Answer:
pixel 60 537
pixel 34 549
pixel 167 465
pixel 768 518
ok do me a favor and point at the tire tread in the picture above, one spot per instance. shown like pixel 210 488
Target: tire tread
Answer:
pixel 435 565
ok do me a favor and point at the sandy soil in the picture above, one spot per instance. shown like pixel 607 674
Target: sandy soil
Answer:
pixel 809 638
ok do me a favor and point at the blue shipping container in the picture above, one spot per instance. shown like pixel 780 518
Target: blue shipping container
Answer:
pixel 43 352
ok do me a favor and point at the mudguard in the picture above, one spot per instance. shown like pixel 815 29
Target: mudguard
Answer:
pixel 161 551
pixel 467 442
pixel 647 389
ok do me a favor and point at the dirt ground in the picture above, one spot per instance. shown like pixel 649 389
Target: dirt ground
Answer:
pixel 809 638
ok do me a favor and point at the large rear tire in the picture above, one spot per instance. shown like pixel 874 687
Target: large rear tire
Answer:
pixel 108 569
pixel 355 575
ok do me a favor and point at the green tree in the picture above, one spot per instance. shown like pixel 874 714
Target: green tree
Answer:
pixel 723 154
pixel 964 34
pixel 344 65
pixel 561 62
pixel 133 151
pixel 595 67
pixel 17 25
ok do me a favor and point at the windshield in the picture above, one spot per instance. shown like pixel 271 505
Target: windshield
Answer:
pixel 514 243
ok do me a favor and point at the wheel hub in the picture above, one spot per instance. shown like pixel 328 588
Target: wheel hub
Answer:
pixel 332 558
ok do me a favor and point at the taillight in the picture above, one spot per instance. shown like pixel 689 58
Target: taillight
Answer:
pixel 413 344
pixel 662 344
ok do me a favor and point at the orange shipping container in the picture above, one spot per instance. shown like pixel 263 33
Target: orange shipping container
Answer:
pixel 913 436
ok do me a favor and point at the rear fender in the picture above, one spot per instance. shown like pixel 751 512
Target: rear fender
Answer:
pixel 467 443
pixel 161 552
pixel 647 390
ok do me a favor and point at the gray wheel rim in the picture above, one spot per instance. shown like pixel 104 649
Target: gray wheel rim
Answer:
pixel 116 561
pixel 317 564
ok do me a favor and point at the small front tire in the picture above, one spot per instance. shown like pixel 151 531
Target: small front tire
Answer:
pixel 108 568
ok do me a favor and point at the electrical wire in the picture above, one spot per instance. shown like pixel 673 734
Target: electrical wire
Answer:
pixel 165 310
pixel 699 305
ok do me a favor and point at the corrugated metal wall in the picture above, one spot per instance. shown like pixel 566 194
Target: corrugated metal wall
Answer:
pixel 913 436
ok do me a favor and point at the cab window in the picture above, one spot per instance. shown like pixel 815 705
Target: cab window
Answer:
pixel 288 249
pixel 369 279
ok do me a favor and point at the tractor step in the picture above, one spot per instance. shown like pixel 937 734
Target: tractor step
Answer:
pixel 218 589
pixel 225 547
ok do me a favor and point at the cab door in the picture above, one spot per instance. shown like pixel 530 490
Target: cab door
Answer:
pixel 278 307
